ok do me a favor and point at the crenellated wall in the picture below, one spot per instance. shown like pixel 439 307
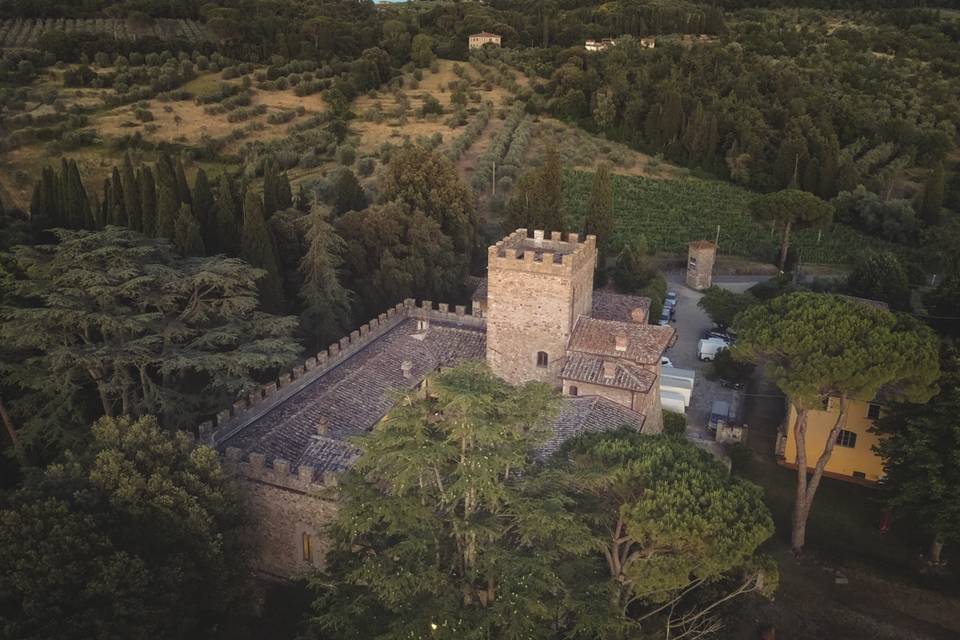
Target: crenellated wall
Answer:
pixel 537 287
pixel 255 404
pixel 288 514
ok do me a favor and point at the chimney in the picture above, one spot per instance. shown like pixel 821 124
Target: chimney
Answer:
pixel 405 367
pixel 638 315
pixel 609 370
pixel 621 342
pixel 323 426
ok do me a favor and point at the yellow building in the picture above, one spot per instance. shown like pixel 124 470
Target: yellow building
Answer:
pixel 853 457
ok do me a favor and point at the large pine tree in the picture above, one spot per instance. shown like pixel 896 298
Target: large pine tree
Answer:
pixel 256 247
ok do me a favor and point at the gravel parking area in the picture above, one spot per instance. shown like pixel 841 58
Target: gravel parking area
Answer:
pixel 690 322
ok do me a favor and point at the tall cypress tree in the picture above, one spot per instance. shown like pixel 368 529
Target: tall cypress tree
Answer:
pixel 227 225
pixel 148 202
pixel 326 302
pixel 77 206
pixel 118 206
pixel 549 193
pixel 187 234
pixel 271 188
pixel 204 209
pixel 167 212
pixel 183 189
pixel 599 219
pixel 257 249
pixel 106 207
pixel 131 195
pixel 166 176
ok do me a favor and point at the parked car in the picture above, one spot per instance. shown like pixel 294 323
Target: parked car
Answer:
pixel 708 349
pixel 719 334
pixel 664 316
pixel 665 361
pixel 671 298
pixel 719 414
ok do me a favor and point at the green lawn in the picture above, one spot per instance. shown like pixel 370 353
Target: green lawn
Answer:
pixel 843 529
pixel 671 213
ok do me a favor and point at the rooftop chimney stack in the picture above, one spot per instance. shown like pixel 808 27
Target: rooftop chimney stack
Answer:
pixel 621 342
pixel 406 367
pixel 323 426
pixel 609 370
pixel 639 316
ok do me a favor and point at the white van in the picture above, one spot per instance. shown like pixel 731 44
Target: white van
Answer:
pixel 708 349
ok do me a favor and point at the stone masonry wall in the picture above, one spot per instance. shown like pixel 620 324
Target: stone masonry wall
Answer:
pixel 533 302
pixel 279 519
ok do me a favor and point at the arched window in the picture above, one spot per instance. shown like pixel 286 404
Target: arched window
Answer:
pixel 307 545
pixel 542 359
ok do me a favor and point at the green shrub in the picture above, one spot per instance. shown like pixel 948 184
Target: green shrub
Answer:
pixel 674 424
pixel 346 155
pixel 740 456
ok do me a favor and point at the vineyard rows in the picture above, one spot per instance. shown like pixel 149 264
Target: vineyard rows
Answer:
pixel 24 34
pixel 671 213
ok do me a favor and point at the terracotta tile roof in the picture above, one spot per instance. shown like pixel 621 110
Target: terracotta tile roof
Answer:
pixel 354 395
pixel 588 414
pixel 616 306
pixel 645 343
pixel 584 368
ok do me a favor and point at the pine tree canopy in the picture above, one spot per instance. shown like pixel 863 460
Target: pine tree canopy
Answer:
pixel 135 535
pixel 119 317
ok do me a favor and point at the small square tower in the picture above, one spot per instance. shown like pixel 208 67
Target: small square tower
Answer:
pixel 700 258
pixel 537 287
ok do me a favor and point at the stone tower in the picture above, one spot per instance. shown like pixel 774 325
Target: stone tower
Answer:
pixel 537 287
pixel 700 258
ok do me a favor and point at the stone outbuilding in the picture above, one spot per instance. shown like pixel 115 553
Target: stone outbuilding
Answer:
pixel 700 258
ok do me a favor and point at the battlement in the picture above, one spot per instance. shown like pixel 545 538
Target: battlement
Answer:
pixel 254 404
pixel 278 473
pixel 542 252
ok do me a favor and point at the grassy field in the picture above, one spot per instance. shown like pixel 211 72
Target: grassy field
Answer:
pixel 671 213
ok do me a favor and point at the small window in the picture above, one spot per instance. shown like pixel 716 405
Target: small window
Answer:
pixel 307 545
pixel 573 391
pixel 860 474
pixel 847 439
pixel 873 411
pixel 542 359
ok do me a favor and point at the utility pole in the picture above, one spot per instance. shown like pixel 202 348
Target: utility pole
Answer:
pixel 493 190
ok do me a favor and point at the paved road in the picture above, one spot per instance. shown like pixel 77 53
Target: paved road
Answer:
pixel 690 323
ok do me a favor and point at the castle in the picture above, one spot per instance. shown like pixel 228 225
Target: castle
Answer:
pixel 535 317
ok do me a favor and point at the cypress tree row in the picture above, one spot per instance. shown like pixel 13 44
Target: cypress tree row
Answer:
pixel 183 189
pixel 117 207
pixel 148 202
pixel 131 195
pixel 167 211
pixel 187 235
pixel 227 234
pixel 203 209
pixel 257 249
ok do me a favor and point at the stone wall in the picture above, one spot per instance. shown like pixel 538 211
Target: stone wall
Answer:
pixel 700 258
pixel 536 290
pixel 287 513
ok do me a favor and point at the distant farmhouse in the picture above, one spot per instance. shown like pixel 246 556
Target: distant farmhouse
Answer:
pixel 595 46
pixel 535 317
pixel 480 40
